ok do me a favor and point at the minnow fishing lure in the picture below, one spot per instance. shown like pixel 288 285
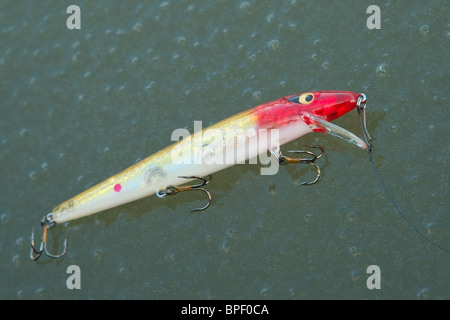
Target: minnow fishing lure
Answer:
pixel 261 129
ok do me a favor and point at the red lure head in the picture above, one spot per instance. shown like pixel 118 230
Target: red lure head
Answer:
pixel 327 105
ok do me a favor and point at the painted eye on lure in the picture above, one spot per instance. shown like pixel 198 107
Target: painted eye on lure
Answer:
pixel 306 98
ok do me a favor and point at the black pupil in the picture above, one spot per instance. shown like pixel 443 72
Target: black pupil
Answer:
pixel 295 98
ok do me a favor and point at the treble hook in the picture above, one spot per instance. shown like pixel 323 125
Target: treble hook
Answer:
pixel 283 160
pixel 46 223
pixel 172 190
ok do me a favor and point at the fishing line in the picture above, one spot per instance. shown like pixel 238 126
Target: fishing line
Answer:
pixel 398 208
pixel 361 106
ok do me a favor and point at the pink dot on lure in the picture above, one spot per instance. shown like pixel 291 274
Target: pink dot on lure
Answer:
pixel 117 187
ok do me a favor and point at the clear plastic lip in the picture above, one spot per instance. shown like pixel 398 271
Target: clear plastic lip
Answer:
pixel 339 132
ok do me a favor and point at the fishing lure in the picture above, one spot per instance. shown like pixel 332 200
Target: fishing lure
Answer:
pixel 254 132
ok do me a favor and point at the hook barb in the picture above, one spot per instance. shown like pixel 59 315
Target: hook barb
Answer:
pixel 46 224
pixel 172 190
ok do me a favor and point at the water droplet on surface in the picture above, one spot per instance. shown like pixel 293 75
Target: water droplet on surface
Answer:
pixel 76 57
pixel 120 32
pixel 382 69
pixel 273 44
pixel 16 260
pixel 23 132
pixel 245 5
pixel 272 188
pixel 423 294
pixel 257 95
pixel 20 294
pixel 164 5
pixel 424 30
pixel 4 219
pixel 181 40
pixel 32 175
pixel 137 27
pixel 40 292
pixel 264 291
pixel 44 166
pixel 326 65
pixel 430 228
pixel 394 128
pixel 354 251
pixel 270 18
pixel 98 254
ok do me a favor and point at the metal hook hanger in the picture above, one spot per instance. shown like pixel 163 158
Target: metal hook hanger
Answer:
pixel 283 160
pixel 172 190
pixel 46 223
pixel 361 107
